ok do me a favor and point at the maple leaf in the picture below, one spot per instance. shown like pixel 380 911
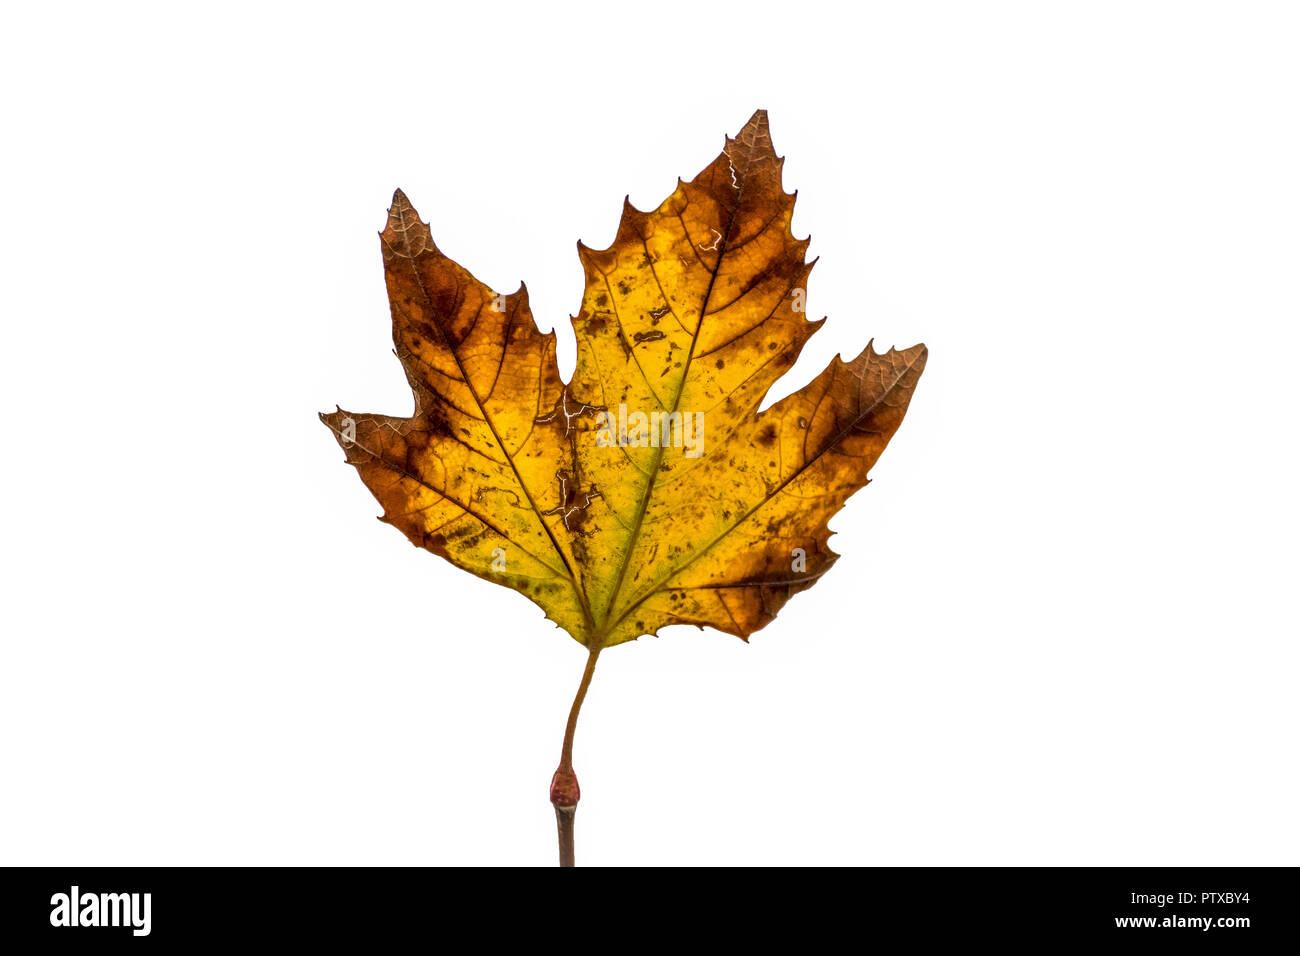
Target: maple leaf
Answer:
pixel 693 312
pixel 648 490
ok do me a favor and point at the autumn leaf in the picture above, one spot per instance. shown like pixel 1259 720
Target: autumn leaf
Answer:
pixel 648 490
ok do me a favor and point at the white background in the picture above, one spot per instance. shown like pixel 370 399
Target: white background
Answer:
pixel 1063 630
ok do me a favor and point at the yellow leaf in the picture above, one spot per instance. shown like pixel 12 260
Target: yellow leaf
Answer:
pixel 648 490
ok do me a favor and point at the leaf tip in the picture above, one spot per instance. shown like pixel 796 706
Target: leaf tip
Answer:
pixel 405 234
pixel 756 133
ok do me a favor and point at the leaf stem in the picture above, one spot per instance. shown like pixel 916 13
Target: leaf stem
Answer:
pixel 564 784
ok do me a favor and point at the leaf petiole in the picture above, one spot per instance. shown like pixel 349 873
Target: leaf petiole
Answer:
pixel 564 784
